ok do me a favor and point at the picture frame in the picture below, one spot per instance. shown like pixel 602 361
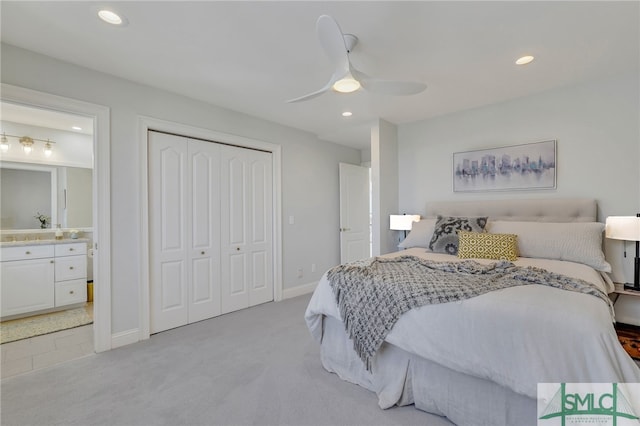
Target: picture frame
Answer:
pixel 529 166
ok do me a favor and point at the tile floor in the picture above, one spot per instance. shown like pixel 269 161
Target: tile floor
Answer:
pixel 43 351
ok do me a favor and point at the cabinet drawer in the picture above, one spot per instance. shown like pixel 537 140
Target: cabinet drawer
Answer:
pixel 72 249
pixel 26 252
pixel 69 292
pixel 71 268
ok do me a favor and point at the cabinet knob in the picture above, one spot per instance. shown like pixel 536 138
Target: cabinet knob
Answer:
pixel 202 252
pixel 27 252
pixel 51 261
pixel 71 292
pixel 70 267
pixel 71 249
pixel 237 248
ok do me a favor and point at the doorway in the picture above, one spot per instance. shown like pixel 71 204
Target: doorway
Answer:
pixel 96 119
pixel 355 212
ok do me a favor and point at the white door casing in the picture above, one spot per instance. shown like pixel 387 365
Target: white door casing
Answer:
pixel 354 213
pixel 101 203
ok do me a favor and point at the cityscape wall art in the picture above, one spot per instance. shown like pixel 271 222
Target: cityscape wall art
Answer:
pixel 528 166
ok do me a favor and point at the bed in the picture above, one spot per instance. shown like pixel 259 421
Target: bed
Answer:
pixel 478 361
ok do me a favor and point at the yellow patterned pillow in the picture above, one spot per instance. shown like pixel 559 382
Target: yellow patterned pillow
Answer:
pixel 487 246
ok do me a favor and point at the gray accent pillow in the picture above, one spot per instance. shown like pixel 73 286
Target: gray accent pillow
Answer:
pixel 445 234
pixel 420 234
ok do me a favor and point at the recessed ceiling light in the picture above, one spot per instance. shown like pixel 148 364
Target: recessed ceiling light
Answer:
pixel 524 60
pixel 111 17
pixel 76 127
pixel 347 114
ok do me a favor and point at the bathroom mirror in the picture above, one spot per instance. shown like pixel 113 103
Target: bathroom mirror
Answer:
pixel 62 194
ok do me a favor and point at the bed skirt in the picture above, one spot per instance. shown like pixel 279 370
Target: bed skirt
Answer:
pixel 401 378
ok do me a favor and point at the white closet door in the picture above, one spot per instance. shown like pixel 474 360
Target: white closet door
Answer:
pixel 204 239
pixel 246 213
pixel 168 192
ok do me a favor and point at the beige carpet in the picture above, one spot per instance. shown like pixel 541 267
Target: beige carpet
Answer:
pixel 23 328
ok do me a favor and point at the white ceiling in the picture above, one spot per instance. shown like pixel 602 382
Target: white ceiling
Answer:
pixel 45 118
pixel 253 56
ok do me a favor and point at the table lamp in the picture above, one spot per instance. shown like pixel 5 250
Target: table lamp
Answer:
pixel 402 222
pixel 626 228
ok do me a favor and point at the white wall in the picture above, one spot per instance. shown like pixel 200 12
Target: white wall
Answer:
pixel 309 168
pixel 384 179
pixel 597 127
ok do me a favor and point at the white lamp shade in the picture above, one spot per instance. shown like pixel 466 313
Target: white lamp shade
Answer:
pixel 623 228
pixel 402 222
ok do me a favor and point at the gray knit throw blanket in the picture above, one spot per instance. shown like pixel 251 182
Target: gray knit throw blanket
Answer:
pixel 372 294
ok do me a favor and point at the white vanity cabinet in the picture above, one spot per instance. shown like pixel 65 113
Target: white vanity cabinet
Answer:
pixel 27 276
pixel 42 277
pixel 70 274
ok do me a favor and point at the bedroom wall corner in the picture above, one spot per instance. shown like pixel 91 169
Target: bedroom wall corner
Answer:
pixel 384 180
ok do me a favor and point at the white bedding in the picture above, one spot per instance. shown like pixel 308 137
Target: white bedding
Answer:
pixel 516 337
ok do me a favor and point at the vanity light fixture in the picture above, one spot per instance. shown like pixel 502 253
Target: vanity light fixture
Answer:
pixel 48 150
pixel 524 60
pixel 4 144
pixel 27 143
pixel 347 114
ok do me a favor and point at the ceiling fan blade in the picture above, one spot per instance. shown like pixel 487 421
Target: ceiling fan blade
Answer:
pixel 334 77
pixel 309 96
pixel 332 41
pixel 388 87
pixel 394 88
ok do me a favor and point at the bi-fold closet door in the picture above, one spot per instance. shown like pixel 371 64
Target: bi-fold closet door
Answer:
pixel 210 239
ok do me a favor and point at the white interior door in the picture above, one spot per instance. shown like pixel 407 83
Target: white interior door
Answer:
pixel 168 189
pixel 204 238
pixel 354 213
pixel 247 187
pixel 211 229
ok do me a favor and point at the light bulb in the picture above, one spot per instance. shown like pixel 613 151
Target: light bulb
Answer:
pixel 346 85
pixel 4 144
pixel 47 149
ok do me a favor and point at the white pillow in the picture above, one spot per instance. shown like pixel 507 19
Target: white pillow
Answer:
pixel 420 234
pixel 579 242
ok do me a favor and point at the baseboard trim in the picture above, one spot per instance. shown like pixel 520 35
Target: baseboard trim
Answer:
pixel 299 290
pixel 124 338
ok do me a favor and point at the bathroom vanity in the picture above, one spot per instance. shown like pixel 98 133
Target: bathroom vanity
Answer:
pixel 42 276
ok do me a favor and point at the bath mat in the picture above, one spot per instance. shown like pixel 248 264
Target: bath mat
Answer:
pixel 23 328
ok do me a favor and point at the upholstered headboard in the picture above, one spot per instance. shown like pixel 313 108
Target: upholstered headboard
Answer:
pixel 530 210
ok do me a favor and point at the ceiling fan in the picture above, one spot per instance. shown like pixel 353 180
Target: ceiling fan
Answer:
pixel 346 78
